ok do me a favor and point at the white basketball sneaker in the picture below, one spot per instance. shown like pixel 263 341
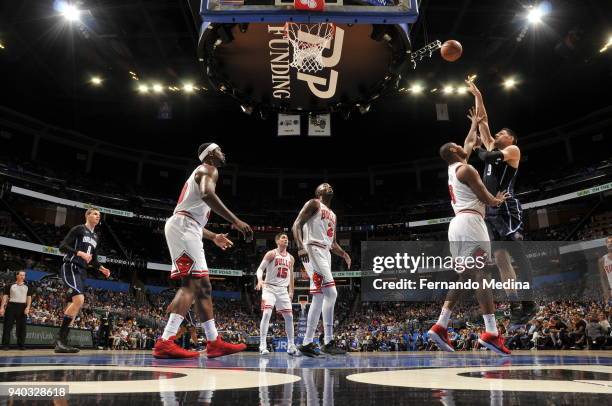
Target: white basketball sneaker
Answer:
pixel 263 351
pixel 293 351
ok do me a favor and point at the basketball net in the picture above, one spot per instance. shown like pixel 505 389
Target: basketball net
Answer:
pixel 308 42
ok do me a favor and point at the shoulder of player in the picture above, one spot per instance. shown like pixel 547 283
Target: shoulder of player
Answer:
pixel 511 152
pixel 313 204
pixel 206 169
pixel 464 171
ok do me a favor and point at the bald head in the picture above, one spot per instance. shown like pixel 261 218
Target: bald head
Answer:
pixel 452 153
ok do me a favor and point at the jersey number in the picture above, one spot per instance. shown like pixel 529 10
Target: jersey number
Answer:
pixel 282 273
pixel 330 231
pixel 452 194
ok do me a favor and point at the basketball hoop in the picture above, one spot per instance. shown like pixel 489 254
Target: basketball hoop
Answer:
pixel 308 42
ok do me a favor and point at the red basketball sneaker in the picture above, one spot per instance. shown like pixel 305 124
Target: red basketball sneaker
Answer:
pixel 219 348
pixel 494 342
pixel 439 335
pixel 169 349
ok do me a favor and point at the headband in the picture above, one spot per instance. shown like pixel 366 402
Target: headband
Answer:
pixel 208 149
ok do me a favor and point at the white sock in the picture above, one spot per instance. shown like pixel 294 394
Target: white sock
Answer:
pixel 314 314
pixel 172 326
pixel 329 301
pixel 263 328
pixel 289 328
pixel 490 324
pixel 210 330
pixel 444 317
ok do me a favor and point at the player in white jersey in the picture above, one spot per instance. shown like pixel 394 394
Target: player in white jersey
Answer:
pixel 468 238
pixel 314 231
pixel 184 233
pixel 605 271
pixel 277 291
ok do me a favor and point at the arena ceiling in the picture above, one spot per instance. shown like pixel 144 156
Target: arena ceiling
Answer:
pixel 46 66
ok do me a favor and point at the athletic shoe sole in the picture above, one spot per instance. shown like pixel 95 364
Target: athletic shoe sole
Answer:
pixel 493 348
pixel 443 345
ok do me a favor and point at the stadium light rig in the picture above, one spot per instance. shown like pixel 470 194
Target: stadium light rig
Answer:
pixel 69 11
pixel 2 45
pixel 96 81
pixel 509 83
pixel 157 88
pixel 416 89
pixel 143 89
pixel 448 90
pixel 188 88
pixel 536 13
pixel 601 51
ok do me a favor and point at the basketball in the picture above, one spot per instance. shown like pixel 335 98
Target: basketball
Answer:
pixel 451 50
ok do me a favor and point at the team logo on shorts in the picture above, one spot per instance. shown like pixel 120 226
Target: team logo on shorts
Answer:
pixel 184 263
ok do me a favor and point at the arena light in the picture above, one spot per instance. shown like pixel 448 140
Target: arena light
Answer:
pixel 602 50
pixel 448 90
pixel 416 88
pixel 461 90
pixel 537 12
pixel 188 88
pixel 509 83
pixel 96 81
pixel 69 11
pixel 157 88
pixel 143 89
pixel 2 45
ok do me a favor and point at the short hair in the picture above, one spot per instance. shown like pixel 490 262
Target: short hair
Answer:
pixel 203 147
pixel 90 210
pixel 279 235
pixel 445 151
pixel 512 133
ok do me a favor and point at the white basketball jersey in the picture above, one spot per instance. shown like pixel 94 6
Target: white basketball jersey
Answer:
pixel 462 197
pixel 277 271
pixel 607 265
pixel 320 228
pixel 190 202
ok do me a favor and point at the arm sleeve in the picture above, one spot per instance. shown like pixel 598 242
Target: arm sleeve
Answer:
pixel 261 268
pixel 488 156
pixel 68 242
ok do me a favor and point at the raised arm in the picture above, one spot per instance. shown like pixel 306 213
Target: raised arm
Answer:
pixel 481 112
pixel 468 175
pixel 206 177
pixel 309 210
pixel 471 140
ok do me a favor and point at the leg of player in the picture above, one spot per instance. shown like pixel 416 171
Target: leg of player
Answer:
pixel 263 331
pixel 490 338
pixel 288 316
pixel 72 310
pixel 517 251
pixel 439 331
pixel 308 347
pixel 329 302
pixel 165 347
pixel 215 346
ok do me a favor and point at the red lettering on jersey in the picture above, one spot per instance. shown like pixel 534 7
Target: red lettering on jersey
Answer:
pixel 182 196
pixel 452 194
pixel 330 231
pixel 282 273
pixel 281 262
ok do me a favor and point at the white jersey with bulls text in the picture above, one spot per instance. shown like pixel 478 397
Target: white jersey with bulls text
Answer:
pixel 320 228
